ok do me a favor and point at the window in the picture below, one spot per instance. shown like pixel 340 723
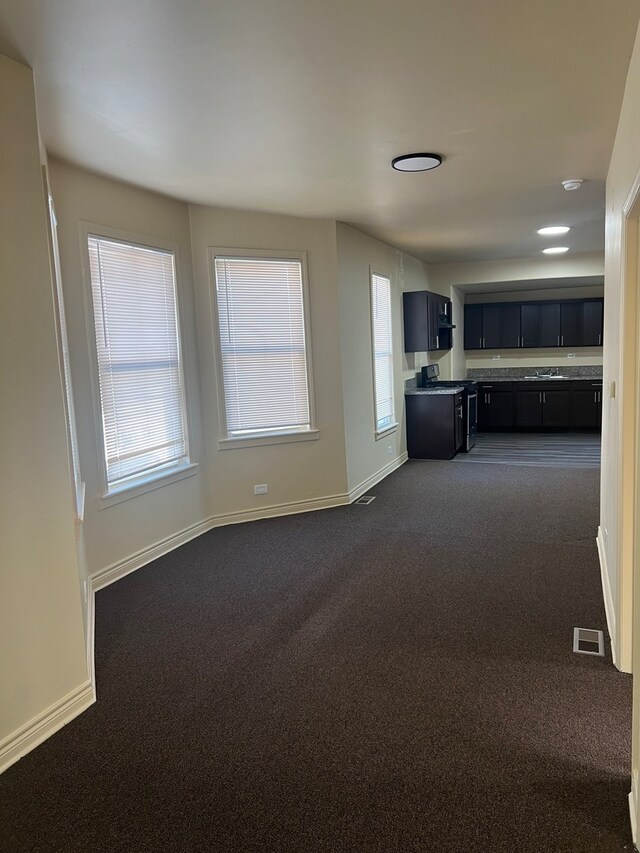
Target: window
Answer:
pixel 139 362
pixel 263 346
pixel 382 352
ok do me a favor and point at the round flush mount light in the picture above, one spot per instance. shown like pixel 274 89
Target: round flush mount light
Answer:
pixel 555 250
pixel 572 184
pixel 416 162
pixel 551 230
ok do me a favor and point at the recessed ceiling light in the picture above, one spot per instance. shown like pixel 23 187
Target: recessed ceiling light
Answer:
pixel 416 162
pixel 555 250
pixel 549 230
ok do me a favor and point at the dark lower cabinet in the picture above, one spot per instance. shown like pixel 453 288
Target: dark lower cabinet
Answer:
pixel 529 409
pixel 435 425
pixel 542 408
pixel 586 405
pixel 496 406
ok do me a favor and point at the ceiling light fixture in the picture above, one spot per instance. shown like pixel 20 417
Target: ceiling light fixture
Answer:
pixel 555 250
pixel 416 162
pixel 550 230
pixel 572 183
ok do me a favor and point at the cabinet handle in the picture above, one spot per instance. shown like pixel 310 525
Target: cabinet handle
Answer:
pixel 544 396
pixel 437 341
pixel 595 396
pixel 599 396
pixel 561 340
pixel 558 340
pixel 600 339
pixel 540 397
pixel 489 400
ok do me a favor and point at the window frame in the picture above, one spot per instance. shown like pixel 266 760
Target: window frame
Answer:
pixel 258 438
pixel 393 426
pixel 107 496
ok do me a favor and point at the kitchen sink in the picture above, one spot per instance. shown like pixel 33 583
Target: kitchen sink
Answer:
pixel 546 377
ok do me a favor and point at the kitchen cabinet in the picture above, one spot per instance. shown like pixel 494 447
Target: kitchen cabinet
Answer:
pixel 540 322
pixel 592 317
pixel 496 406
pixel 543 404
pixel 427 321
pixel 510 325
pixel 435 425
pixel 586 405
pixel 546 408
pixel 473 326
pixel 492 326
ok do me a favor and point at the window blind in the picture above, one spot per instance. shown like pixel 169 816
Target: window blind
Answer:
pixel 382 350
pixel 262 343
pixel 139 361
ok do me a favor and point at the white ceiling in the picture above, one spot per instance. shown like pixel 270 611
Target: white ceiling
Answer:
pixel 298 106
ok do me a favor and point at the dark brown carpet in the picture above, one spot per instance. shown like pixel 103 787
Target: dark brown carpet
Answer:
pixel 397 677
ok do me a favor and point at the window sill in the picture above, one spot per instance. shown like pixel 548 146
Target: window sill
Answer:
pixel 260 440
pixel 383 433
pixel 164 478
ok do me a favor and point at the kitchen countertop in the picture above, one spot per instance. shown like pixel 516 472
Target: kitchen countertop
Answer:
pixel 416 391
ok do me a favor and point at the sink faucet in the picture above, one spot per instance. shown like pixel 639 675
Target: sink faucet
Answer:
pixel 552 371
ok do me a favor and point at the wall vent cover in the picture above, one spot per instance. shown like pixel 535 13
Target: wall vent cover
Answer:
pixel 588 641
pixel 365 499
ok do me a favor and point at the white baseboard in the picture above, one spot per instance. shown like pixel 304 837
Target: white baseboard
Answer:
pixel 371 481
pixel 124 567
pixel 293 508
pixel 633 808
pixel 27 737
pixel 609 605
pixel 120 569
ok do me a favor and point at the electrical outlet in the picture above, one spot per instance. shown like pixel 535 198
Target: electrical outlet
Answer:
pixel 571 355
pixel 495 357
pixel 262 489
pixel 389 450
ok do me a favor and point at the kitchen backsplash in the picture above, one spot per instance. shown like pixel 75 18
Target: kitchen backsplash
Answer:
pixel 519 372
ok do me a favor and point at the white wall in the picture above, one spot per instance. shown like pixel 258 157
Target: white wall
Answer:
pixel 618 516
pixel 42 644
pixel 297 471
pixel 115 533
pixel 358 254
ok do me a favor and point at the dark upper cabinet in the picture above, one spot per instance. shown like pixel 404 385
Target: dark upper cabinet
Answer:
pixel 427 321
pixel 549 324
pixel 491 326
pixel 571 324
pixel 473 326
pixel 592 316
pixel 508 325
pixel 415 315
pixel 530 324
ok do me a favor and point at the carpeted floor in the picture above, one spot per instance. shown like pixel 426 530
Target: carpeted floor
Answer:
pixel 395 677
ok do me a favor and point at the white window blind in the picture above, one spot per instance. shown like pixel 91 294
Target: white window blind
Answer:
pixel 382 351
pixel 262 342
pixel 139 361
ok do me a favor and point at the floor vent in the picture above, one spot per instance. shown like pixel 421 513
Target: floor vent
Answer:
pixel 588 641
pixel 365 499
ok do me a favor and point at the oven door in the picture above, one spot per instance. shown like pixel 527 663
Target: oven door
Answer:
pixel 472 420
